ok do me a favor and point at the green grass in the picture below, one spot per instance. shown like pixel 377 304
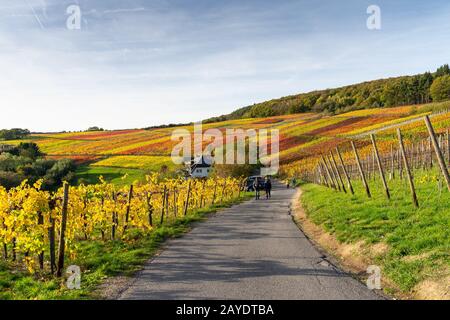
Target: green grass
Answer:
pixel 423 233
pixel 118 176
pixel 99 260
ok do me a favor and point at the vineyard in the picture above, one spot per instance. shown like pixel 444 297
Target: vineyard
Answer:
pixel 336 169
pixel 40 229
pixel 413 129
pixel 366 182
pixel 391 192
pixel 141 152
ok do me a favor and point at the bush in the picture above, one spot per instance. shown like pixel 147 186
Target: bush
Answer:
pixel 10 179
pixel 29 149
pixel 6 148
pixel 34 171
pixel 236 171
pixel 10 162
pixel 62 170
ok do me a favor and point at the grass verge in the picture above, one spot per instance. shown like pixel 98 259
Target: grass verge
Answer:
pixel 417 241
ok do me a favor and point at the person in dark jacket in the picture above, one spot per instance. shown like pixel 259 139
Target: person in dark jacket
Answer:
pixel 256 187
pixel 268 188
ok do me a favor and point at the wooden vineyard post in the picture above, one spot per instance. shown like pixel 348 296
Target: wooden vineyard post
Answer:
pixel 186 203
pixel 330 179
pixel 167 203
pixel 41 254
pixel 417 156
pixel 392 175
pixel 380 166
pixel 438 151
pixel 333 162
pixel 347 177
pixel 361 170
pixel 374 160
pixel 408 172
pixel 448 146
pixel 175 208
pixel 430 150
pixel 367 163
pixel 150 209
pixel 323 176
pixel 114 218
pixel 423 157
pixel 62 232
pixel 51 240
pixel 333 174
pixel 127 212
pixel 163 205
pixel 13 249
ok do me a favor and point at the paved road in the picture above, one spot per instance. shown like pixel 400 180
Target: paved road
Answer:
pixel 250 251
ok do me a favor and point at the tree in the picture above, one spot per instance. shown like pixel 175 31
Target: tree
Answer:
pixel 440 89
pixel 391 92
pixel 95 128
pixel 442 71
pixel 300 107
pixel 425 82
pixel 27 149
pixel 13 134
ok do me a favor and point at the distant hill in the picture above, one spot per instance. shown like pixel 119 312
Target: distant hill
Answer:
pixel 399 91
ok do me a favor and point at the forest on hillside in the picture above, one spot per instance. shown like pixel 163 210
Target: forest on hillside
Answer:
pixel 406 90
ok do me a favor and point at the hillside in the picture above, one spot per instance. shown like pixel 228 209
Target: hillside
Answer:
pixel 136 152
pixel 398 91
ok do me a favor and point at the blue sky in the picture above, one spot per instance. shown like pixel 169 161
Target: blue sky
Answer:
pixel 140 63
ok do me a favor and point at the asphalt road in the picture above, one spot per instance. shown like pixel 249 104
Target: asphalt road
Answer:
pixel 250 251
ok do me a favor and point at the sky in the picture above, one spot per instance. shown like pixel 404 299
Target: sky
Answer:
pixel 138 63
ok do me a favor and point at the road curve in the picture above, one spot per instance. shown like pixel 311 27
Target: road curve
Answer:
pixel 250 251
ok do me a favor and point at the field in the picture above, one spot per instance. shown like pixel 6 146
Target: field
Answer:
pixel 113 153
pixel 118 176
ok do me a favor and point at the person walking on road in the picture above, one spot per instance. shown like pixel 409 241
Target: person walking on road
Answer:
pixel 268 187
pixel 257 187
